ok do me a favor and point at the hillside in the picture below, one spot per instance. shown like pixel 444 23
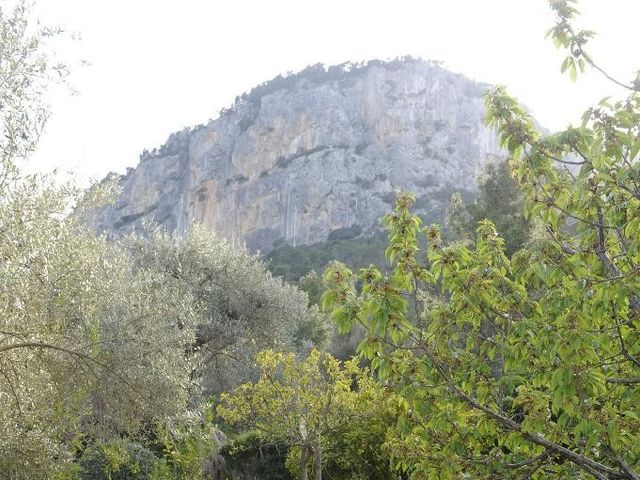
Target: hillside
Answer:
pixel 315 155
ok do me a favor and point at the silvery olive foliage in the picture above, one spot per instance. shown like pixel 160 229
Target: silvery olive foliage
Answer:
pixel 101 340
pixel 241 307
pixel 88 341
pixel 90 344
pixel 25 74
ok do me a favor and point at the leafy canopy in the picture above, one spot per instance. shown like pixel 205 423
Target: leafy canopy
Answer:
pixel 316 404
pixel 530 366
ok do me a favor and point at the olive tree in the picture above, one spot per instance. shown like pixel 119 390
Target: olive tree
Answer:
pixel 241 308
pixel 25 74
pixel 90 344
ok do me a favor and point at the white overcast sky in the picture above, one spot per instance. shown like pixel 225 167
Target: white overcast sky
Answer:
pixel 160 65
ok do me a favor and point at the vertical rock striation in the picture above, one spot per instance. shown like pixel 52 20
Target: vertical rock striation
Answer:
pixel 302 156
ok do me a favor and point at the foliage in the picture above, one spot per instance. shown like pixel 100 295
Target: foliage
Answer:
pixel 526 368
pixel 356 452
pixel 500 200
pixel 25 74
pixel 299 264
pixel 241 307
pixel 89 343
pixel 313 286
pixel 88 347
pixel 119 460
pixel 312 332
pixel 249 458
pixel 457 218
pixel 315 405
pixel 317 329
pixel 188 441
pixel 293 263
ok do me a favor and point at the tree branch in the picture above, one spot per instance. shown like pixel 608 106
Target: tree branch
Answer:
pixel 624 381
pixel 576 458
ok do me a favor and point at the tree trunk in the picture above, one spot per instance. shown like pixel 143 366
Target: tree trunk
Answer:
pixel 304 463
pixel 317 450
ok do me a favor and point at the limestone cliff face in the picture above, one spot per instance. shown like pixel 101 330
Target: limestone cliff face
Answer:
pixel 322 150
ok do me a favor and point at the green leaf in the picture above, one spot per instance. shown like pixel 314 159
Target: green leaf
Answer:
pixel 573 72
pixel 634 150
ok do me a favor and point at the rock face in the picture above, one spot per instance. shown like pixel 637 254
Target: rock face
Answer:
pixel 316 152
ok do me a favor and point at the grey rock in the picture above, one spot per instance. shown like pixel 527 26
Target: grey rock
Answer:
pixel 323 150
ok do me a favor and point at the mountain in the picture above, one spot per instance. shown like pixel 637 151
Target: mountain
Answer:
pixel 315 155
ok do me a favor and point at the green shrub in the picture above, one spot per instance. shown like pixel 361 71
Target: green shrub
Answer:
pixel 119 460
pixel 248 460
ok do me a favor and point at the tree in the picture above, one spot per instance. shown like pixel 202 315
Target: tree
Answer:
pixel 500 200
pixel 118 460
pixel 318 407
pixel 457 218
pixel 241 308
pixel 88 343
pixel 529 367
pixel 25 75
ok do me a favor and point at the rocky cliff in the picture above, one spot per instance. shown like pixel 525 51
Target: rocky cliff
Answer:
pixel 313 153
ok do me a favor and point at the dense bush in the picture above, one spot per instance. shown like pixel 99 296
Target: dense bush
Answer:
pixel 330 416
pixel 119 460
pixel 240 306
pixel 248 458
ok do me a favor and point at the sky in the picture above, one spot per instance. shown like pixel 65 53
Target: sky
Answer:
pixel 157 66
